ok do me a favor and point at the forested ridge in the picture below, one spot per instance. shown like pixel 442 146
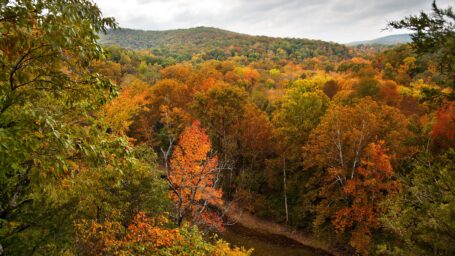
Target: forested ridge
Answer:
pixel 140 145
pixel 213 43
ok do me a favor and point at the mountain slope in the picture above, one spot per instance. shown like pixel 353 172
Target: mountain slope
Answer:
pixel 385 40
pixel 142 39
pixel 219 44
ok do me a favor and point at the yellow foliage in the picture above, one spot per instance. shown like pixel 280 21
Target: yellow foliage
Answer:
pixel 132 99
pixel 222 248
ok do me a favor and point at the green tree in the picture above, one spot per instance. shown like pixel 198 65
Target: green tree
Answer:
pixel 423 216
pixel 220 110
pixel 46 46
pixel 433 34
pixel 46 93
pixel 367 87
pixel 298 113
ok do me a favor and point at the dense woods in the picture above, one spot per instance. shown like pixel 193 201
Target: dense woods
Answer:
pixel 139 146
pixel 205 43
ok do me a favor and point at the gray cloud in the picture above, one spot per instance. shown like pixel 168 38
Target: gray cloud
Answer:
pixel 331 20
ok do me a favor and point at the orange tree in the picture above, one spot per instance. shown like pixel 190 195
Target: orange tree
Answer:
pixel 193 178
pixel 374 182
pixel 443 130
pixel 149 236
pixel 340 146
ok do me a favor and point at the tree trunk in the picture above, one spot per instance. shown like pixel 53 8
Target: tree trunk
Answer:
pixel 285 193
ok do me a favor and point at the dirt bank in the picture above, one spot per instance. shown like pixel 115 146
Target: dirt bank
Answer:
pixel 244 218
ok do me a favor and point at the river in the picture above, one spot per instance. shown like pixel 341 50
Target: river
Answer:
pixel 266 244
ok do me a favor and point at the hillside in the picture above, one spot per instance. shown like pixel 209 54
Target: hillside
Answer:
pixel 219 44
pixel 385 40
pixel 143 39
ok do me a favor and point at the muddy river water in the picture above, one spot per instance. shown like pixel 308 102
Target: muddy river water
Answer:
pixel 265 244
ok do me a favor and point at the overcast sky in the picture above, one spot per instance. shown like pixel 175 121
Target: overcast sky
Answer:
pixel 331 20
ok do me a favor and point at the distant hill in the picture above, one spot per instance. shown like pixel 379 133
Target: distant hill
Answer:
pixel 219 44
pixel 385 40
pixel 144 39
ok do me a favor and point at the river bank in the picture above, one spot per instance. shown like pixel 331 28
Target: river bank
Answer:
pixel 266 244
pixel 248 225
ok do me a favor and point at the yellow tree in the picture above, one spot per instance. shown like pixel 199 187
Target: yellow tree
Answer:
pixel 193 178
pixel 339 141
pixel 165 94
pixel 132 99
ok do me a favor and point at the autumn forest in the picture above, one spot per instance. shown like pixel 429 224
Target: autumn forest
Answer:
pixel 118 141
